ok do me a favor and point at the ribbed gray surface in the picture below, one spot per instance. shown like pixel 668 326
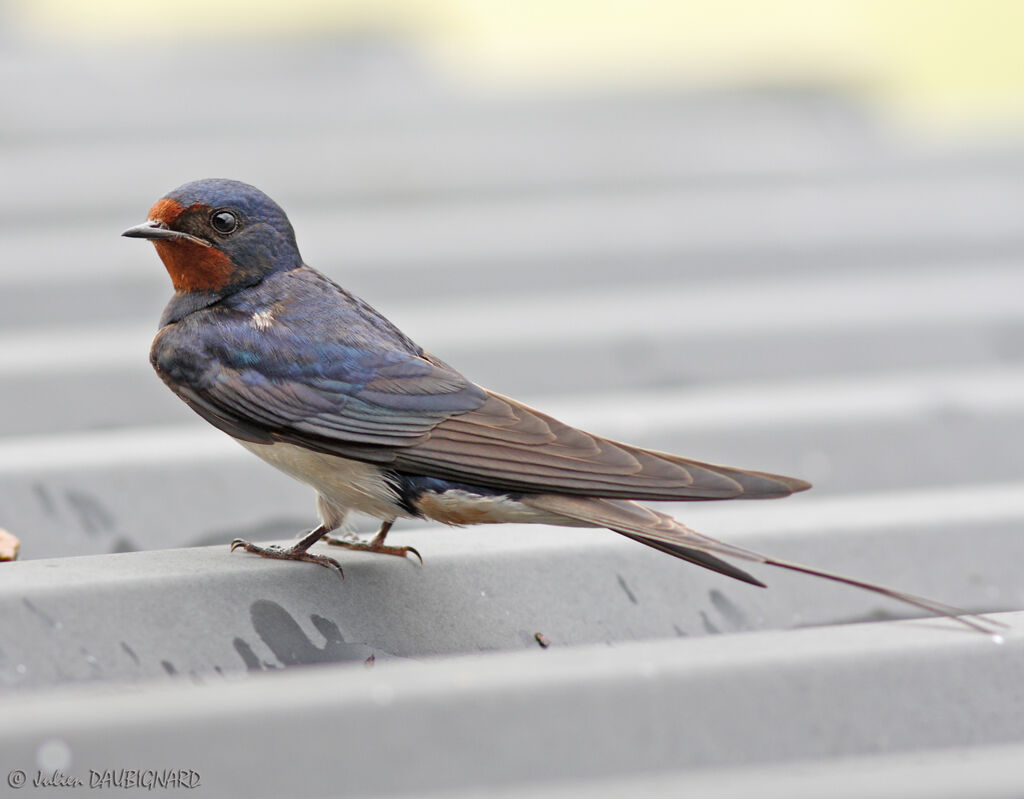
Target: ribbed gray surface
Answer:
pixel 764 278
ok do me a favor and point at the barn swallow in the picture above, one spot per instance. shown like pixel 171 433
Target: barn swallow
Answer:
pixel 319 384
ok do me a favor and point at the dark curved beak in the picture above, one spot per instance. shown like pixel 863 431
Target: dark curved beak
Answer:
pixel 158 230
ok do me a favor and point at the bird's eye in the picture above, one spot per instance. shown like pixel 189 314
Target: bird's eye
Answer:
pixel 223 221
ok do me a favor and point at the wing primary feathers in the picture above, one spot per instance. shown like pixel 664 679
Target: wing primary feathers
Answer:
pixel 504 443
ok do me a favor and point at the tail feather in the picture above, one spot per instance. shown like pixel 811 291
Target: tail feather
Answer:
pixel 703 559
pixel 666 534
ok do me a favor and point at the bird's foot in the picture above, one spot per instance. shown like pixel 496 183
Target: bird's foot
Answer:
pixel 358 545
pixel 295 552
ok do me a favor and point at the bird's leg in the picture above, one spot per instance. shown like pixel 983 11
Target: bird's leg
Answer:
pixel 295 552
pixel 374 545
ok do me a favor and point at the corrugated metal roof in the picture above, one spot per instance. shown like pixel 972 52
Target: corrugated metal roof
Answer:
pixel 763 278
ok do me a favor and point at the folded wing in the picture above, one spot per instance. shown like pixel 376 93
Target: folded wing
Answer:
pixel 414 413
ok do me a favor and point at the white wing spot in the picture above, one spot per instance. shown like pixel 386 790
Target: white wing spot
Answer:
pixel 261 320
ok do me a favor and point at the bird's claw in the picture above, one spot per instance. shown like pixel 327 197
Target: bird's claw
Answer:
pixel 413 550
pixel 291 553
pixel 358 545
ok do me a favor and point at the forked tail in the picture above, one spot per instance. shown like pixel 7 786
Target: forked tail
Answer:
pixel 663 532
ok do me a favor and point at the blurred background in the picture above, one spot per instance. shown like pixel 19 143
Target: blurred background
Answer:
pixel 785 236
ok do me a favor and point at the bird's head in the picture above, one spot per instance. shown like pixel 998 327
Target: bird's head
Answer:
pixel 217 236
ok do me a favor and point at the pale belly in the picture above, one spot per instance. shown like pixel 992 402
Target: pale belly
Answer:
pixel 345 485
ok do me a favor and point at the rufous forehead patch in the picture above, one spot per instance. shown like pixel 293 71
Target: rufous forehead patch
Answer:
pixel 165 211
